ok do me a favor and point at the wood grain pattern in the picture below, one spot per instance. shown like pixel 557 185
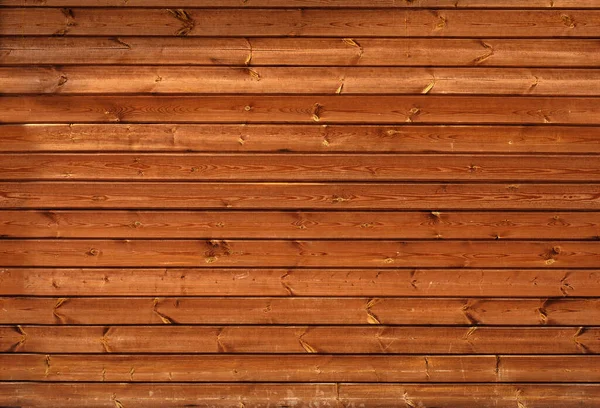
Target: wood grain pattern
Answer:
pixel 301 109
pixel 300 310
pixel 242 52
pixel 299 224
pixel 296 80
pixel 298 167
pixel 336 196
pixel 294 22
pixel 300 138
pixel 160 395
pixel 171 339
pixel 299 282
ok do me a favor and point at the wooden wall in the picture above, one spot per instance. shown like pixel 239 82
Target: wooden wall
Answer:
pixel 300 203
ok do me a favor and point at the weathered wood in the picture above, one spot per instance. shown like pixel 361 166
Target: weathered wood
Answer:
pixel 294 22
pixel 300 138
pixel 428 109
pixel 300 51
pixel 95 395
pixel 299 224
pixel 299 339
pixel 299 282
pixel 341 196
pixel 295 80
pixel 161 368
pixel 300 310
pixel 296 253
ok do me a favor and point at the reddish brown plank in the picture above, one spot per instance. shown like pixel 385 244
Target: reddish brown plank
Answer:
pixel 299 224
pixel 317 253
pixel 342 196
pixel 430 109
pixel 298 167
pixel 95 395
pixel 299 282
pixel 300 51
pixel 300 22
pixel 300 310
pixel 300 138
pixel 299 339
pixel 294 80
pixel 160 368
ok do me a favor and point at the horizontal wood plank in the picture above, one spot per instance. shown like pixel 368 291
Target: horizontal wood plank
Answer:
pixel 298 167
pixel 317 253
pixel 300 138
pixel 136 368
pixel 299 339
pixel 426 109
pixel 219 395
pixel 300 51
pixel 300 310
pixel 301 224
pixel 296 22
pixel 293 80
pixel 299 282
pixel 341 196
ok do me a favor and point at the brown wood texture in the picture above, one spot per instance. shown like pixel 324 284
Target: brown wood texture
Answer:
pixel 300 203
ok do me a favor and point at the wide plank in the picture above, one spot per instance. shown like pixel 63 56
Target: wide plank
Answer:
pixel 298 167
pixel 428 109
pixel 341 196
pixel 299 282
pixel 220 395
pixel 244 52
pixel 294 80
pixel 171 339
pixel 161 368
pixel 282 253
pixel 299 138
pixel 295 22
pixel 469 312
pixel 299 224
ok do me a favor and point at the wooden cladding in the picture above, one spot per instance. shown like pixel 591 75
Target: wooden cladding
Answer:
pixel 252 203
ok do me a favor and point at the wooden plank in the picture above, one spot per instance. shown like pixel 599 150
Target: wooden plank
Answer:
pixel 299 339
pixel 298 167
pixel 161 368
pixel 299 282
pixel 296 22
pixel 300 138
pixel 516 4
pixel 293 80
pixel 301 224
pixel 300 310
pixel 430 109
pixel 96 395
pixel 300 51
pixel 344 196
pixel 317 253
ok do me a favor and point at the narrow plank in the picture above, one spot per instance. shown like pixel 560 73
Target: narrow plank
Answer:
pixel 298 167
pixel 516 4
pixel 299 339
pixel 292 80
pixel 430 196
pixel 161 368
pixel 300 51
pixel 296 22
pixel 299 138
pixel 324 109
pixel 299 282
pixel 96 395
pixel 301 224
pixel 300 310
pixel 316 253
